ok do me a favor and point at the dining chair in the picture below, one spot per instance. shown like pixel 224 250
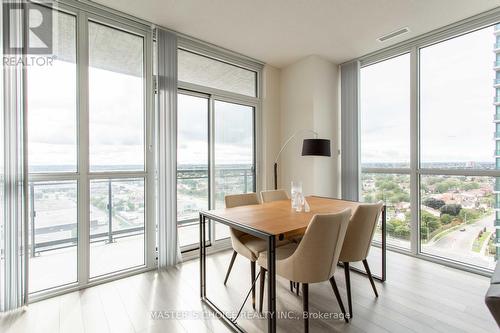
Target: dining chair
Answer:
pixel 358 242
pixel 274 195
pixel 313 260
pixel 244 244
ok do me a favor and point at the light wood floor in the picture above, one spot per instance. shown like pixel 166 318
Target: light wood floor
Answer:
pixel 418 296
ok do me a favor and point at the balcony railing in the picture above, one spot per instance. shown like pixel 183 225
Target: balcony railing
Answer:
pixel 496 81
pixel 109 236
pixel 496 63
pixel 496 99
pixel 240 180
pixel 496 46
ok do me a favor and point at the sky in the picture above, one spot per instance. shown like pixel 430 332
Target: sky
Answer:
pixel 456 82
pixel 456 112
pixel 233 131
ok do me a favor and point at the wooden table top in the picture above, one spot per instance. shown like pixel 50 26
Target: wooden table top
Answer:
pixel 277 217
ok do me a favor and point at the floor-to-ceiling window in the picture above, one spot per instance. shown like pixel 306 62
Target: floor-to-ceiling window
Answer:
pixel 430 143
pixel 216 139
pixel 385 143
pixel 457 149
pixel 89 169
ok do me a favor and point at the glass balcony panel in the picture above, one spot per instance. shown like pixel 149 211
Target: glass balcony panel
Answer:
pixel 53 234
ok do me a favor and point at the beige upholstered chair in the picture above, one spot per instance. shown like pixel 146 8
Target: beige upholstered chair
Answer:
pixel 358 241
pixel 247 245
pixel 274 195
pixel 312 260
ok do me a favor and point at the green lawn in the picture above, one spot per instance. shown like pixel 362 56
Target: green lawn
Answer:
pixel 478 243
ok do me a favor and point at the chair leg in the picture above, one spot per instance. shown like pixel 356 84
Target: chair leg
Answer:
pixel 305 302
pixel 252 269
pixel 348 287
pixel 291 286
pixel 230 266
pixel 367 268
pixel 339 299
pixel 262 283
pixel 298 288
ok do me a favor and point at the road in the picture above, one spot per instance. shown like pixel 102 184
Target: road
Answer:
pixel 458 244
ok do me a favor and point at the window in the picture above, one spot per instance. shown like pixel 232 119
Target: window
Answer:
pixel 116 144
pixel 87 156
pixel 116 108
pixel 233 154
pixel 215 141
pixel 385 143
pixel 204 71
pixel 456 105
pixel 192 165
pixel 116 225
pixel 53 234
pixel 451 164
pixel 52 151
pixel 457 211
pixel 52 104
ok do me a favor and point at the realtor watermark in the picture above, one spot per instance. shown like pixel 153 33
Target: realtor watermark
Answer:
pixel 27 33
pixel 248 315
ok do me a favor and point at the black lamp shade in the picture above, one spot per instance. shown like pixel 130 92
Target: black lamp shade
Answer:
pixel 316 147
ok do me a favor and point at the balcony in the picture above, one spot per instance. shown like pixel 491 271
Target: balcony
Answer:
pixel 496 100
pixel 496 135
pixel 193 193
pixel 496 82
pixel 116 230
pixel 496 64
pixel 496 47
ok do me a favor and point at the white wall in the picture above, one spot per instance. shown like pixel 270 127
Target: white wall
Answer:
pixel 309 98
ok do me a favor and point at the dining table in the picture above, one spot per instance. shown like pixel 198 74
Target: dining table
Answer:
pixel 273 221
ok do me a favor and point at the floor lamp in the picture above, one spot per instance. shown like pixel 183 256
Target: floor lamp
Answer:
pixel 310 147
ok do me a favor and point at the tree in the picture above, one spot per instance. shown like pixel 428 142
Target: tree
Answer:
pixel 434 203
pixel 446 219
pixel 451 209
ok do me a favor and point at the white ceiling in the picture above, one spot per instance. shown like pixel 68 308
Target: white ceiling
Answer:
pixel 280 32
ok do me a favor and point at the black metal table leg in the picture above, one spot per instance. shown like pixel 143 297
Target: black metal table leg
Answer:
pixel 271 298
pixel 231 322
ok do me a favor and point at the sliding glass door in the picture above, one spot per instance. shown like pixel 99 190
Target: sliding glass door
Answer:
pixel 89 170
pixel 215 157
pixel 116 149
pixel 193 185
pixel 216 112
pixel 233 154
pixel 52 118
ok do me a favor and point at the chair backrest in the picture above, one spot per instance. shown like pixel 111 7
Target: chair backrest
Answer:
pixel 316 256
pixel 360 232
pixel 274 195
pixel 235 200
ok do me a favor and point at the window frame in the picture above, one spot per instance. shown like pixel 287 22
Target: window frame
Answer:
pixel 213 95
pixel 413 46
pixel 85 14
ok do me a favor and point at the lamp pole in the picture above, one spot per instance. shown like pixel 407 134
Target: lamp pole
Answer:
pixel 281 150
